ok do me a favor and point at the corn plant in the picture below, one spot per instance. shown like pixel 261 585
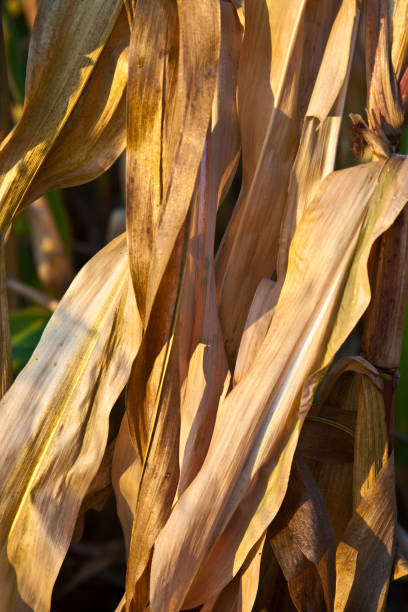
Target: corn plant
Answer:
pixel 247 474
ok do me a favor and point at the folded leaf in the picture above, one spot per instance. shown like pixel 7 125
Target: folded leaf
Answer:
pixel 66 106
pixel 303 542
pixel 203 364
pixel 172 75
pixel 364 558
pixel 54 419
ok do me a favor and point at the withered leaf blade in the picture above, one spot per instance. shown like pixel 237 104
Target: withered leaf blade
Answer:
pixel 240 593
pixel 262 415
pixel 364 557
pixel 316 154
pixel 153 408
pixel 303 542
pixel 95 134
pixel 55 417
pixel 275 82
pixel 203 364
pixel 172 75
pixel 67 45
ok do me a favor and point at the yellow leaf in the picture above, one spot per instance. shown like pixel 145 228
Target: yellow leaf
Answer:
pixel 54 419
pixel 76 78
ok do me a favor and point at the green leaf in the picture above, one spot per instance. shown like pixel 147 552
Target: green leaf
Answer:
pixel 27 326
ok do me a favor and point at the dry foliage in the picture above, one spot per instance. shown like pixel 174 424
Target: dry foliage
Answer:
pixel 235 490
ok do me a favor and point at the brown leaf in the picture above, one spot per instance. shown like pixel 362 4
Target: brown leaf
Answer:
pixel 169 109
pixel 275 82
pixel 364 557
pixel 316 154
pixel 240 593
pixel 303 542
pixel 172 75
pixel 203 365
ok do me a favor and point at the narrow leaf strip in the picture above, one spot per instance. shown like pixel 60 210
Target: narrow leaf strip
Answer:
pixel 203 365
pixel 173 68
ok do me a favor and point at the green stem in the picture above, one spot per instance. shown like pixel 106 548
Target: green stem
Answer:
pixel 5 125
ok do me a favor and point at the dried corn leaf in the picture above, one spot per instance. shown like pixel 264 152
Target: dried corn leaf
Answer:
pixel 274 87
pixel 126 470
pixel 256 327
pixel 240 593
pixel 153 407
pixel 364 558
pixel 95 134
pixel 320 131
pixel 203 365
pixel 261 418
pixel 54 419
pixel 67 109
pixel 169 107
pixel 172 76
pixel 303 542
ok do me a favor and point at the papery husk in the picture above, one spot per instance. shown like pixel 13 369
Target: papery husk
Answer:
pixel 364 558
pixel 54 420
pixel 276 79
pixel 365 555
pixel 73 125
pixel 362 506
pixel 384 111
pixel 338 403
pixel 274 396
